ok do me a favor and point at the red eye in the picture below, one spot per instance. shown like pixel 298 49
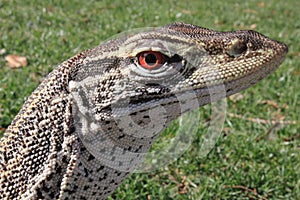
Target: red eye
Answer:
pixel 151 59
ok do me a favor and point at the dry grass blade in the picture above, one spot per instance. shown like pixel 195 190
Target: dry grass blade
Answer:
pixel 15 61
pixel 263 121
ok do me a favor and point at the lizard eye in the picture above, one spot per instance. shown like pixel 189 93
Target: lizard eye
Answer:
pixel 151 59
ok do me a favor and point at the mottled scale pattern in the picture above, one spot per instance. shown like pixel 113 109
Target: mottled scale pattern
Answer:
pixel 91 121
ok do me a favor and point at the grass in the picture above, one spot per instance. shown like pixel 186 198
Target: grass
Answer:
pixel 252 160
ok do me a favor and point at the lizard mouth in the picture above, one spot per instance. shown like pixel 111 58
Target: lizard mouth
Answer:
pixel 179 102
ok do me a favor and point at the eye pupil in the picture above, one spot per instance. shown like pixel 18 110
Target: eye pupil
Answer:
pixel 150 59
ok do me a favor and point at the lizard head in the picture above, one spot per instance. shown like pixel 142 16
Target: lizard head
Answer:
pixel 148 78
pixel 144 69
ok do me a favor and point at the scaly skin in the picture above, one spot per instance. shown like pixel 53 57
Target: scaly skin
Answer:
pixel 67 142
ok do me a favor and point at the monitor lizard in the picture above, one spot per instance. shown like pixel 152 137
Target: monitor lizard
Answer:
pixel 43 153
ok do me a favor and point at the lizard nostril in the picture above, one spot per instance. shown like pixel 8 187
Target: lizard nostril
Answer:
pixel 237 48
